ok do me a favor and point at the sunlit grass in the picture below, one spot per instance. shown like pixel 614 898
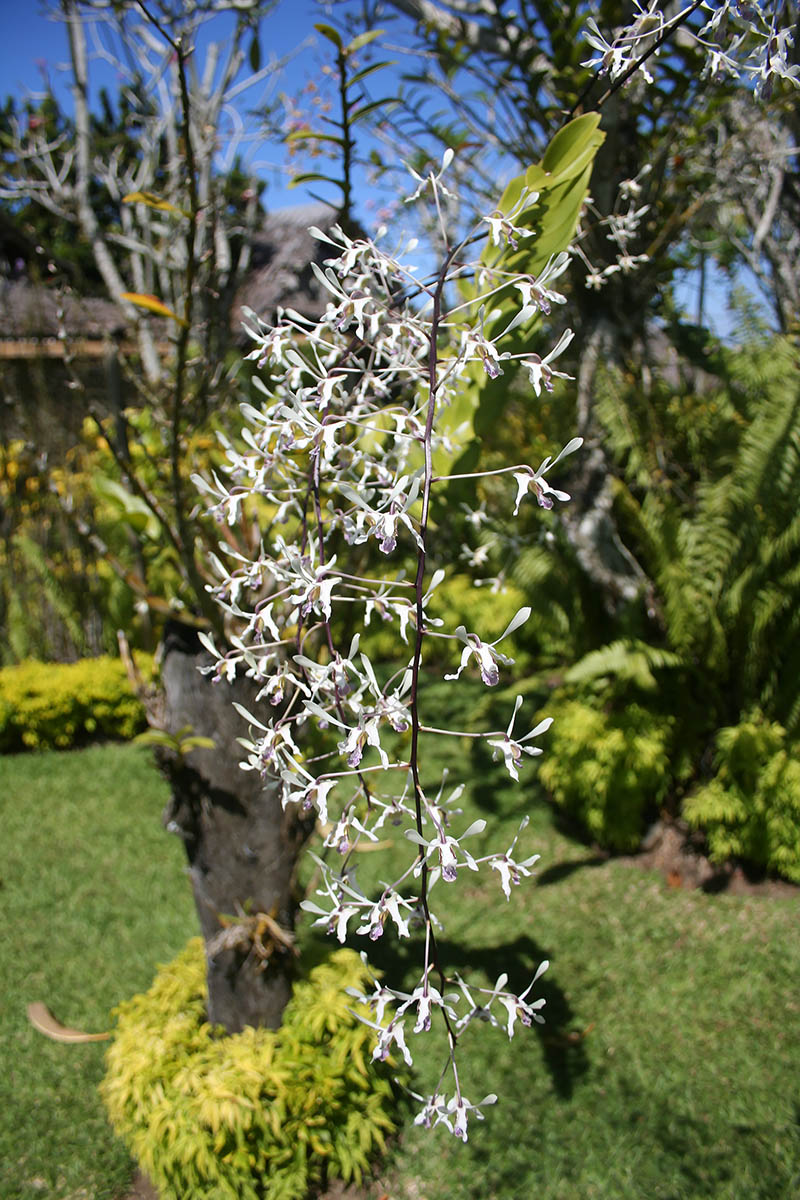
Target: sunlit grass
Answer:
pixel 669 1066
pixel 93 895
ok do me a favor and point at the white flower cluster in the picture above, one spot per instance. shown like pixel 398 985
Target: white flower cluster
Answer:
pixel 622 226
pixel 739 38
pixel 337 468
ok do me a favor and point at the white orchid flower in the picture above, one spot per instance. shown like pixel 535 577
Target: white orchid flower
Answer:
pixel 539 370
pixel 486 653
pixel 512 749
pixel 508 869
pixel 530 480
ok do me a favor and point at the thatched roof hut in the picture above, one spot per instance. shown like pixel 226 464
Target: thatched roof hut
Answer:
pixel 34 313
pixel 35 319
pixel 280 264
pixel 49 338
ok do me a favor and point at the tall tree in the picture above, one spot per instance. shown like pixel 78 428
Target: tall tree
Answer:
pixel 496 83
pixel 155 190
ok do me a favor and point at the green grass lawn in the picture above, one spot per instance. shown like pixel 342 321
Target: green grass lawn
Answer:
pixel 670 1062
pixel 92 895
pixel 669 1065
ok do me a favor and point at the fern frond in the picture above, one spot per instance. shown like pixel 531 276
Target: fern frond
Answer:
pixel 628 659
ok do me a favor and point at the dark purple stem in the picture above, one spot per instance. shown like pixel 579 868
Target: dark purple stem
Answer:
pixel 419 800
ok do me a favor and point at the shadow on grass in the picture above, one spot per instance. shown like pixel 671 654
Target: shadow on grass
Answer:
pixel 563 1047
pixel 643 1147
pixel 563 870
pixel 708 1168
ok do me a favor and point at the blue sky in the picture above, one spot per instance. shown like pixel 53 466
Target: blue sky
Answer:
pixel 33 43
pixel 30 36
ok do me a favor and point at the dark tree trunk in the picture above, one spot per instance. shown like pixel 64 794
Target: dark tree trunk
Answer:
pixel 242 848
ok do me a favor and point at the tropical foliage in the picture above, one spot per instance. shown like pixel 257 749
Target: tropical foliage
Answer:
pixel 609 769
pixel 56 706
pixel 705 492
pixel 751 808
pixel 58 597
pixel 262 1112
pixel 710 507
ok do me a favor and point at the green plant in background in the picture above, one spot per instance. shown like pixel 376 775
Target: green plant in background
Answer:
pixel 718 534
pixel 557 186
pixel 57 706
pixel 180 744
pixel 751 808
pixel 39 574
pixel 706 497
pixel 456 601
pixel 53 584
pixel 354 107
pixel 83 551
pixel 608 768
pixel 131 503
pixel 259 1113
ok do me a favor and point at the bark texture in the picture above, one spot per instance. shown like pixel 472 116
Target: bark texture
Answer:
pixel 241 847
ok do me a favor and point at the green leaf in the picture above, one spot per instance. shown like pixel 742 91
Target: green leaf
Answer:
pixel 363 39
pixel 331 34
pixel 156 737
pixel 255 53
pixel 631 660
pixel 369 71
pixel 573 140
pixel 196 742
pixel 561 180
pixel 307 135
pixel 312 177
pixel 132 510
pixel 386 102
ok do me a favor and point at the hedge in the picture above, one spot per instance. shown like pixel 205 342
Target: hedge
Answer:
pixel 46 706
pixel 258 1113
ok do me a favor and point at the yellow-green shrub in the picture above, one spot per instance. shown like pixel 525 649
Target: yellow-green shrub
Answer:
pixel 57 705
pixel 751 809
pixel 262 1113
pixel 609 769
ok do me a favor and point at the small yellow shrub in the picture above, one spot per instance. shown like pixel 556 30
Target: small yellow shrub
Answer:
pixel 262 1113
pixel 611 770
pixel 751 808
pixel 46 706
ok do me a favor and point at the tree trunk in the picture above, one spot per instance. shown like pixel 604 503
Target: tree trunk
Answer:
pixel 242 848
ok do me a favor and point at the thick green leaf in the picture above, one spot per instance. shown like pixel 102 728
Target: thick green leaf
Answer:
pixel 571 142
pixel 362 40
pixel 561 180
pixel 331 34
